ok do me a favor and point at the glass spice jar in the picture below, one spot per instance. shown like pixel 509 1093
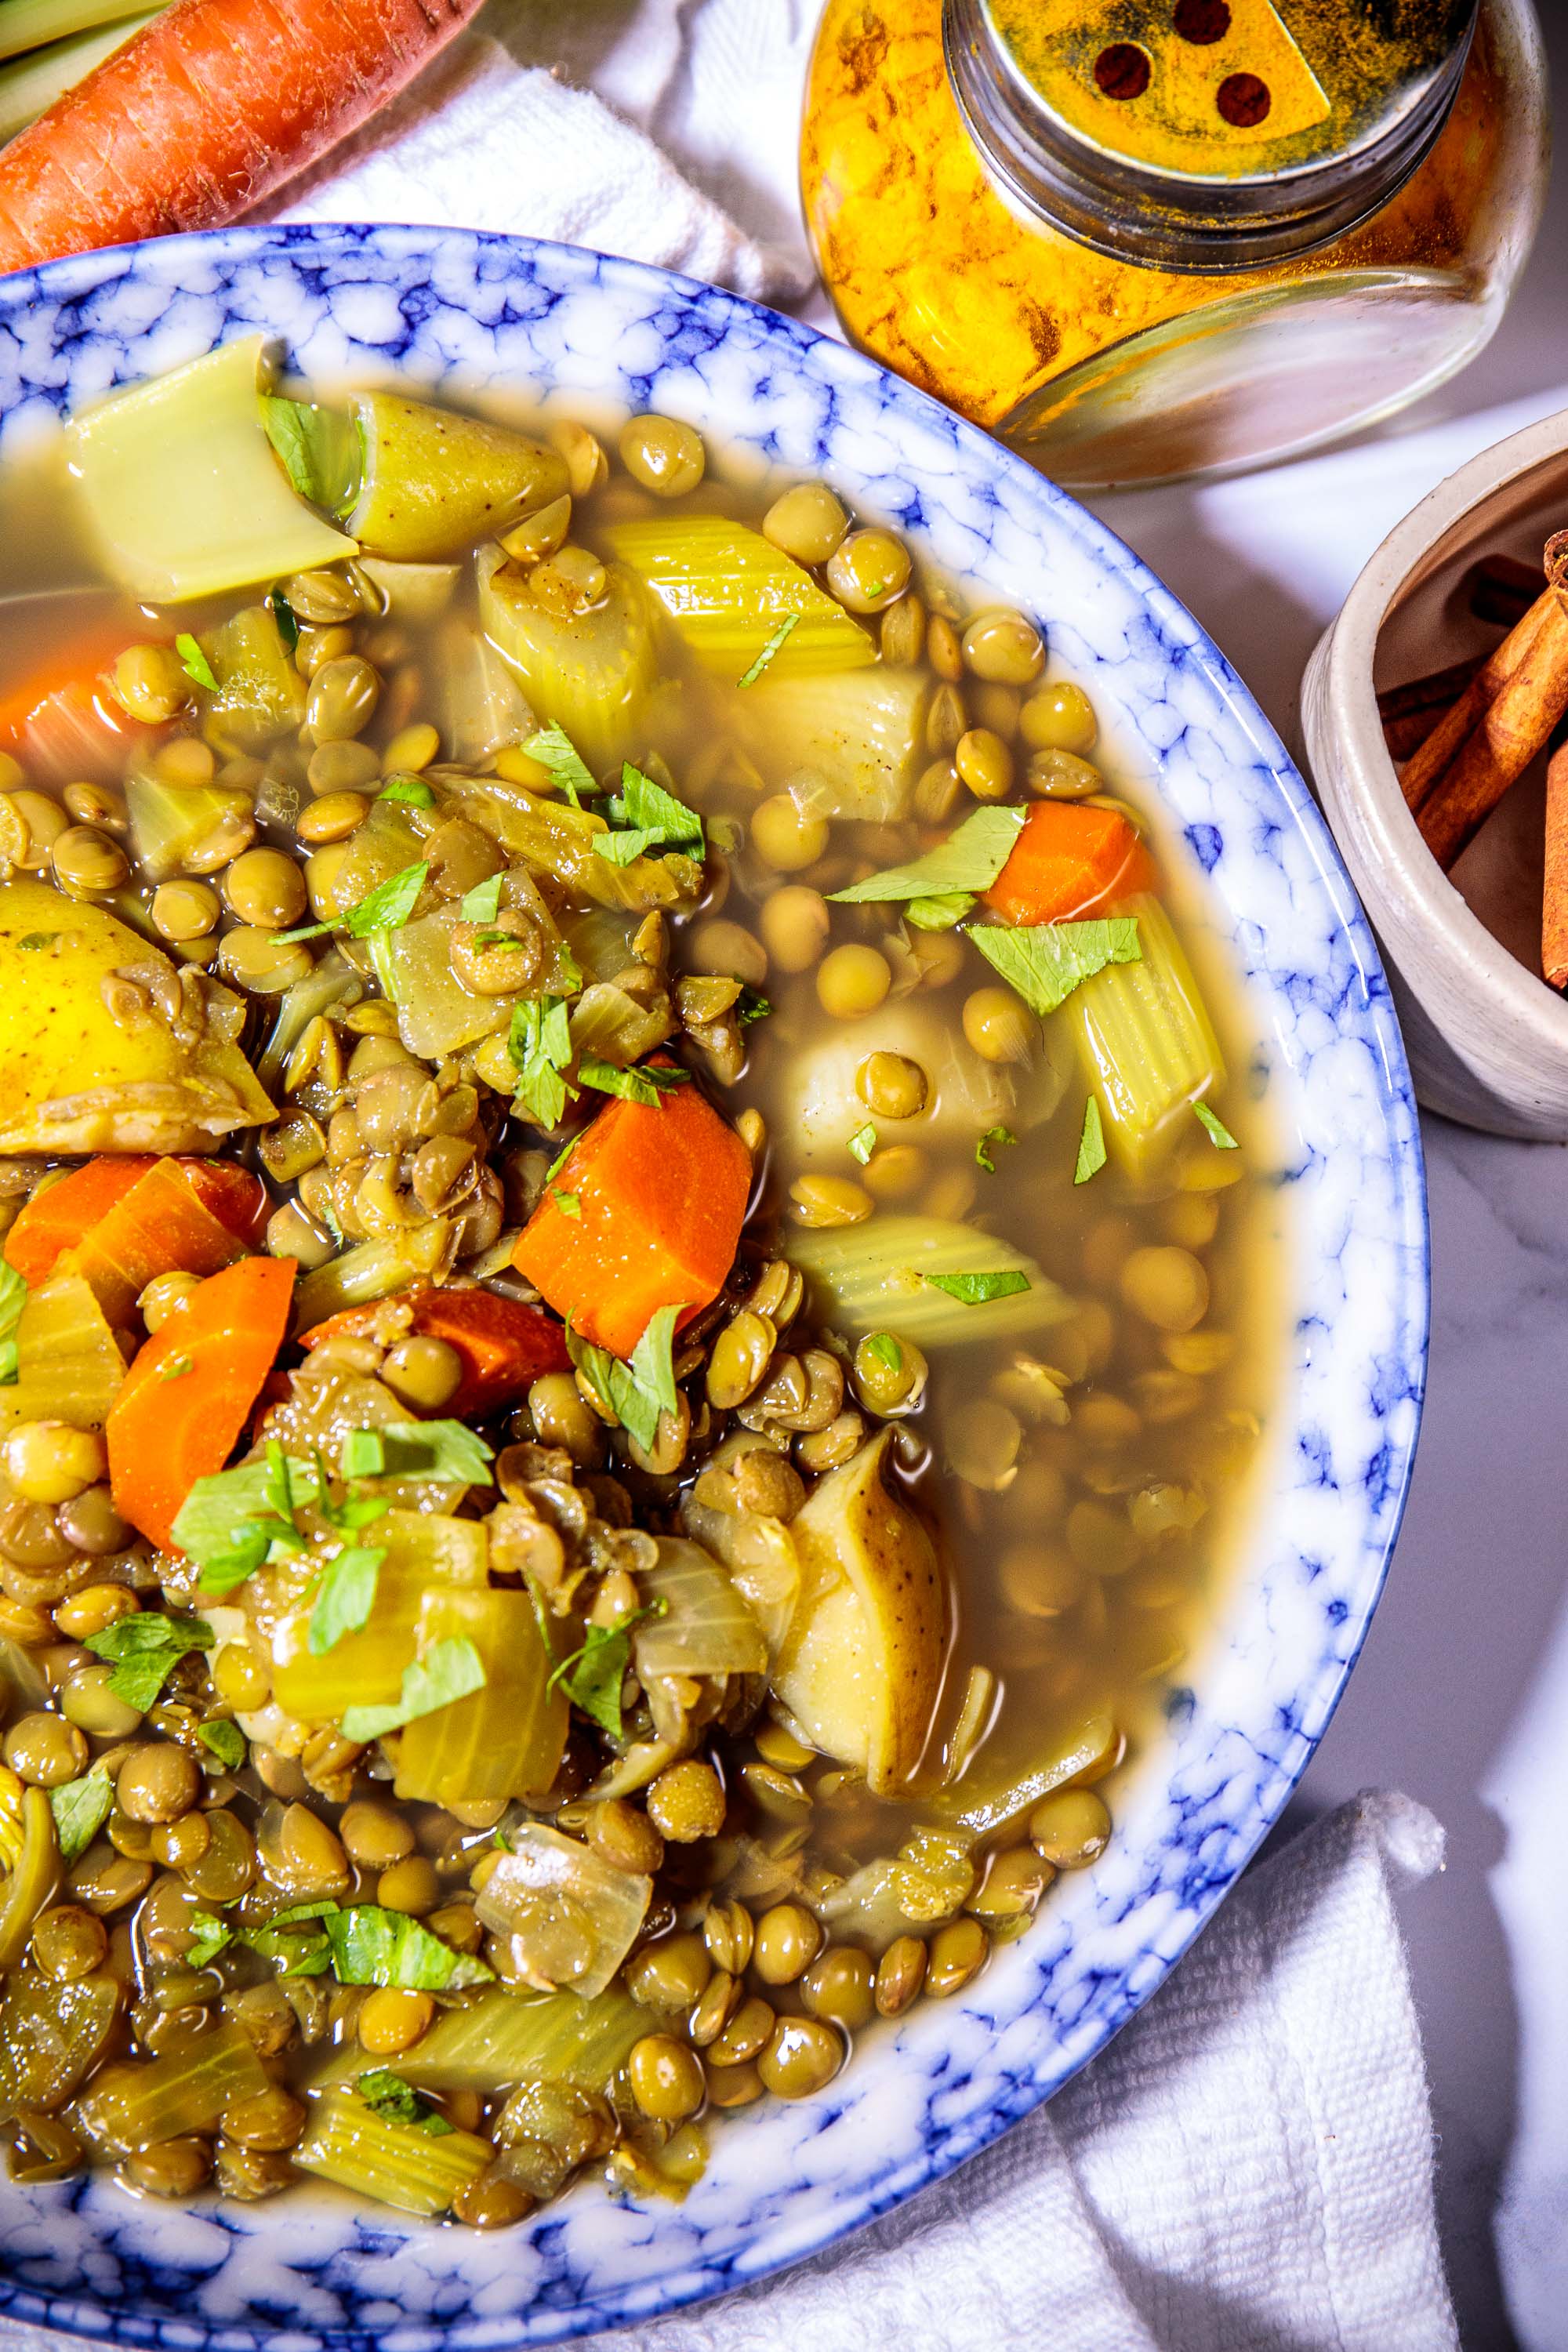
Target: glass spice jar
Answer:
pixel 1139 240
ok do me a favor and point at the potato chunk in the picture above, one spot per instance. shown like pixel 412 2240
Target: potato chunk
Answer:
pixel 860 1669
pixel 101 1047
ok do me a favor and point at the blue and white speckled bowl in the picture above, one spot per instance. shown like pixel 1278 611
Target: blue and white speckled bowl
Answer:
pixel 604 337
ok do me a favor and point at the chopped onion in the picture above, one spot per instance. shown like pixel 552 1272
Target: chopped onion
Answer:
pixel 568 1919
pixel 707 1627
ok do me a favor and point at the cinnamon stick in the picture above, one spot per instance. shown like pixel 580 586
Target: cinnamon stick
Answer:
pixel 1554 894
pixel 1423 769
pixel 1501 589
pixel 1409 712
pixel 1504 739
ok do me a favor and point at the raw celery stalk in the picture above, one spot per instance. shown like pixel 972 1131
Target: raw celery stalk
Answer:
pixel 394 2163
pixel 33 24
pixel 505 1740
pixel 180 487
pixel 707 1626
pixel 434 481
pixel 854 743
pixel 366 1669
pixel 70 1367
pixel 870 1279
pixel 728 590
pixel 51 2036
pixel 183 2090
pixel 1146 1043
pixel 504 2038
pixel 35 78
pixel 593 674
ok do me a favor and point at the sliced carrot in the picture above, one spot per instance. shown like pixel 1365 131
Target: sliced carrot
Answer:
pixel 661 1196
pixel 62 723
pixel 62 1215
pixel 204 113
pixel 1068 864
pixel 504 1345
pixel 187 1396
pixel 167 1223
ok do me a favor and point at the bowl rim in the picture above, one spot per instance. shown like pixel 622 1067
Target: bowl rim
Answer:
pixel 976 450
pixel 1409 889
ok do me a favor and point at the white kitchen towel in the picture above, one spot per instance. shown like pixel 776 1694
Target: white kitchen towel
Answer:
pixel 496 136
pixel 1246 2167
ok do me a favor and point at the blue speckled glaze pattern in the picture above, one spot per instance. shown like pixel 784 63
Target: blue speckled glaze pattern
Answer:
pixel 602 337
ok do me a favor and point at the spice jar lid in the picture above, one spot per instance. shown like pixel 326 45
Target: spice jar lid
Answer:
pixel 1205 134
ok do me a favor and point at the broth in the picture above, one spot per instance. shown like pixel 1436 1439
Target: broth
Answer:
pixel 967 1412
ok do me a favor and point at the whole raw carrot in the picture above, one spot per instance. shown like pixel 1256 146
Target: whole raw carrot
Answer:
pixel 208 109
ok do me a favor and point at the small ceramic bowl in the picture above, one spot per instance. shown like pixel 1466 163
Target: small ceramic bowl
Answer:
pixel 493 316
pixel 1488 1039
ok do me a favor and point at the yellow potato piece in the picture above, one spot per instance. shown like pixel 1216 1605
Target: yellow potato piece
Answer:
pixel 860 1668
pixel 76 1077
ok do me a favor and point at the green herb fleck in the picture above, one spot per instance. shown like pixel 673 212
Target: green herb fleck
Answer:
pixel 388 907
pixel 769 650
pixel 226 1740
pixel 451 1670
pixel 886 1349
pixel 637 1392
pixel 442 1450
pixel 482 903
pixel 940 914
pixel 209 1937
pixel 80 1808
pixel 363 1455
pixel 624 848
pixel 412 791
pixel 993 1137
pixel 970 859
pixel 553 749
pixel 862 1143
pixel 1090 1144
pixel 31 942
pixel 144 1650
pixel 592 1678
pixel 645 808
pixel 540 1044
pixel 345 1597
pixel 283 613
pixel 387 2095
pixel 193 662
pixel 569 1203
pixel 751 1005
pixel 647 1085
pixel 977 1289
pixel 1044 962
pixel 176 1369
pixel 1218 1134
pixel 373 1946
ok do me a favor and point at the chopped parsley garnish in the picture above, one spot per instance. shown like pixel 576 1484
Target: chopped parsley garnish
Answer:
pixel 80 1808
pixel 553 749
pixel 976 1289
pixel 1090 1143
pixel 193 662
pixel 345 1596
pixel 1044 962
pixel 1218 1134
pixel 635 1393
pixel 862 1143
pixel 482 903
pixel 387 2095
pixel 412 791
pixel 569 1203
pixel 540 1044
pixel 450 1670
pixel 226 1740
pixel 385 908
pixel 646 811
pixel 886 1349
pixel 970 859
pixel 144 1650
pixel 647 1085
pixel 769 650
pixel 283 613
pixel 993 1137
pixel 593 1675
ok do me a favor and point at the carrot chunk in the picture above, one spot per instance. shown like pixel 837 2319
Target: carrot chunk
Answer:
pixel 504 1345
pixel 61 721
pixel 661 1196
pixel 188 1396
pixel 187 1216
pixel 64 1213
pixel 1068 864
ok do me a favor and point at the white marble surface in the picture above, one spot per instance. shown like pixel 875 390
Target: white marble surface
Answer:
pixel 1461 1696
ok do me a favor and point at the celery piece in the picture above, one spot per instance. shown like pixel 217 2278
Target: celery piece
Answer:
pixel 852 745
pixel 370 1270
pixel 590 674
pixel 1006 1778
pixel 435 481
pixel 70 1367
pixel 504 2038
pixel 168 822
pixel 182 489
pixel 346 2141
pixel 259 694
pixel 30 84
pixel 184 2089
pixel 728 590
pixel 1145 1042
pixel 424 1549
pixel 51 2036
pixel 505 1740
pixel 569 1917
pixel 553 838
pixel 706 1627
pixel 33 1854
pixel 876 1277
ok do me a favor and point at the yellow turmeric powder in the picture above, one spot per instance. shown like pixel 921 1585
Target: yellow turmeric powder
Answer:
pixel 1104 369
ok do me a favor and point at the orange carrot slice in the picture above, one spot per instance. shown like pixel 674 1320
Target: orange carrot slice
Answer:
pixel 61 721
pixel 204 113
pixel 661 1196
pixel 504 1344
pixel 187 1396
pixel 64 1213
pixel 186 1217
pixel 1069 863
